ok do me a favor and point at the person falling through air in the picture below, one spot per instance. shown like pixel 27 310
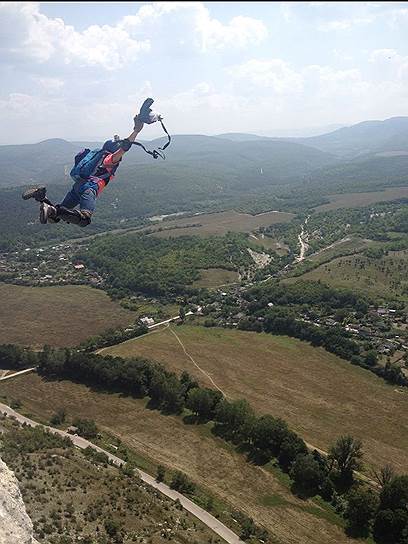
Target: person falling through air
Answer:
pixel 92 172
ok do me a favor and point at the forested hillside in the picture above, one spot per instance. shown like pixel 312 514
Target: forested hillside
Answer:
pixel 143 264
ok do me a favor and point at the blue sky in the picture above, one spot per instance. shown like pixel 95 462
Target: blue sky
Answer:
pixel 80 70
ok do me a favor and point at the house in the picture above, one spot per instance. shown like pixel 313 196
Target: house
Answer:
pixel 330 322
pixel 148 321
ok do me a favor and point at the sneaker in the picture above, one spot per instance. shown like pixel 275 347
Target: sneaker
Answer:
pixel 145 110
pixel 48 213
pixel 35 192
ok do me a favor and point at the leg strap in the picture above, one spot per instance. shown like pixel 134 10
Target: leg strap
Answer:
pixel 77 217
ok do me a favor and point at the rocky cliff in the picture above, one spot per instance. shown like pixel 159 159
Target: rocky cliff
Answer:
pixel 15 525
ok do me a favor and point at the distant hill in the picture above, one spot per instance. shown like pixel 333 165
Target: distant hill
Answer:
pixel 363 174
pixel 280 133
pixel 365 138
pixel 241 136
pixel 50 161
pixel 27 163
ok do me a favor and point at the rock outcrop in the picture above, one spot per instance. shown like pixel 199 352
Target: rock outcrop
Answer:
pixel 15 525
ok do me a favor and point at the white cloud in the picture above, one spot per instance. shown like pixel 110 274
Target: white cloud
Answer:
pixel 28 33
pixel 393 66
pixel 40 38
pixel 274 74
pixel 190 24
pixel 50 84
pixel 345 24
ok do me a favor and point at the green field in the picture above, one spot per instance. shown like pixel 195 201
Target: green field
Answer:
pixel 356 200
pixel 58 316
pixel 319 394
pixel 380 277
pixel 216 277
pixel 208 461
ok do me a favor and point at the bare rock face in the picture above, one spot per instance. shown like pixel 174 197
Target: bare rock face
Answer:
pixel 15 525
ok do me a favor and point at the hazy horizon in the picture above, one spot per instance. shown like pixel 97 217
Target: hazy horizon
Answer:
pixel 271 69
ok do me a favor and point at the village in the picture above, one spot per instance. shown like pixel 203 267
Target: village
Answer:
pixel 53 265
pixel 383 329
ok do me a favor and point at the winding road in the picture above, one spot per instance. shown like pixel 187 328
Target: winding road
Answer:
pixel 302 237
pixel 205 517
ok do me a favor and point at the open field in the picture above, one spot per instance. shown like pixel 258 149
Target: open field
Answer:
pixel 352 244
pixel 320 395
pixel 58 316
pixel 219 223
pixel 207 460
pixel 215 277
pixel 269 243
pixel 380 277
pixel 355 200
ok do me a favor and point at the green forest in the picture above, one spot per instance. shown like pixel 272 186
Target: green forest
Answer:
pixel 162 267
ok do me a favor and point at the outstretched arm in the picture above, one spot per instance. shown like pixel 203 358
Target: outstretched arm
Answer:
pixel 116 157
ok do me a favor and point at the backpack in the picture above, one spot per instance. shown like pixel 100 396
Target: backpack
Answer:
pixel 86 163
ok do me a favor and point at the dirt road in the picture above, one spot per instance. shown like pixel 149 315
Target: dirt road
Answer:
pixel 210 521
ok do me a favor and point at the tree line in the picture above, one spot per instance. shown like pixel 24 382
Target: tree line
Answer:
pixel 316 299
pixel 262 438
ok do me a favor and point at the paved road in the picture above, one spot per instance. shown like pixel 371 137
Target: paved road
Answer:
pixel 210 521
pixel 16 374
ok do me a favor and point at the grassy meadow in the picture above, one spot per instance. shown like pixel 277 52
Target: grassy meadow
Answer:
pixel 58 315
pixel 260 492
pixel 380 277
pixel 218 223
pixel 320 395
pixel 357 200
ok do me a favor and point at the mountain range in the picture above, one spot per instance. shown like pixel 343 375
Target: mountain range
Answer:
pixel 238 156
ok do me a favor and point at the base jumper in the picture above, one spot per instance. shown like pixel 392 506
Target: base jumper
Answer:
pixel 92 172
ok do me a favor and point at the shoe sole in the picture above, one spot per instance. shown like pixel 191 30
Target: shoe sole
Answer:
pixel 30 193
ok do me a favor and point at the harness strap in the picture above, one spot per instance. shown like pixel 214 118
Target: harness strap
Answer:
pixel 156 153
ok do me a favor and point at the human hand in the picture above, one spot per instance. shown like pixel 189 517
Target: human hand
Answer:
pixel 138 123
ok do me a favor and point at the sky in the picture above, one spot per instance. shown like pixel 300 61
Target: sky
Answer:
pixel 80 71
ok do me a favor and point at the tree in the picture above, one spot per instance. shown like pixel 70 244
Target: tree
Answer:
pixel 371 358
pixel 391 526
pixel 385 475
pixel 306 474
pixel 362 506
pixel 128 468
pixel 181 483
pixel 267 436
pixel 394 495
pixel 182 314
pixel 86 427
pixel 327 490
pixel 345 455
pixel 292 446
pixel 187 382
pixel 235 419
pixel 203 402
